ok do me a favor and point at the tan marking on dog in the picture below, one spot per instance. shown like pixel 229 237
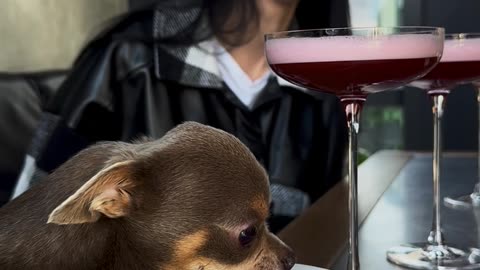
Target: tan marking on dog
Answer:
pixel 187 257
pixel 207 264
pixel 186 251
pixel 260 205
pixel 262 258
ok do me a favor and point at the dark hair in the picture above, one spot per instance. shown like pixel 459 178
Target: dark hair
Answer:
pixel 222 24
pixel 219 12
pixel 215 19
pixel 314 14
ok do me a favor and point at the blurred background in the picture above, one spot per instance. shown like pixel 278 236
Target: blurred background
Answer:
pixel 48 34
pixel 403 120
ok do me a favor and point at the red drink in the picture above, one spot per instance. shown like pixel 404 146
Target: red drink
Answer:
pixel 355 79
pixel 353 67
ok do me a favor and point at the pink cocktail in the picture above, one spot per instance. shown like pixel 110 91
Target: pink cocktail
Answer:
pixel 460 63
pixel 353 67
pixel 352 63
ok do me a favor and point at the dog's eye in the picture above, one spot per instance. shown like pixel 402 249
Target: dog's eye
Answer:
pixel 247 236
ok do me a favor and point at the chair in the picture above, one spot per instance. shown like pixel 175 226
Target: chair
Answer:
pixel 22 99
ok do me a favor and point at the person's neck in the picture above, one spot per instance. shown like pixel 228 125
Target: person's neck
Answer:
pixel 251 55
pixel 251 58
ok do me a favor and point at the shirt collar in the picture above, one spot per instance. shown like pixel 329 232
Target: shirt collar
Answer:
pixel 195 65
pixel 200 65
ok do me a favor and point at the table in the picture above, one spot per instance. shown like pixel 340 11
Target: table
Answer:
pixel 395 207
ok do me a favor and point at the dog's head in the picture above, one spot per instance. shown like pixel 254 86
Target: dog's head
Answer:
pixel 195 199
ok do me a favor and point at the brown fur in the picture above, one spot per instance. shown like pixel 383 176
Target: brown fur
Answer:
pixel 175 203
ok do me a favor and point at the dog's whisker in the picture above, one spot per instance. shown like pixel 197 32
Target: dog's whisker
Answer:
pixel 258 255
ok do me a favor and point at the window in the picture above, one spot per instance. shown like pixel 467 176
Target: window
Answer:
pixel 382 119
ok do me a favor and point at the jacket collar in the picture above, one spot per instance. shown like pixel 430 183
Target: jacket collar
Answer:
pixel 194 65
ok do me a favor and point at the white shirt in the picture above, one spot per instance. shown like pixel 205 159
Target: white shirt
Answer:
pixel 237 80
pixel 212 57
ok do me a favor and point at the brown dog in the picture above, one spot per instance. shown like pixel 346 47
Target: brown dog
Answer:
pixel 196 199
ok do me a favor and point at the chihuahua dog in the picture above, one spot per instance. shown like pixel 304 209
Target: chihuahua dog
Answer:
pixel 196 199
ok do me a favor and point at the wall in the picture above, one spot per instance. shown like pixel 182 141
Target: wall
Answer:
pixel 47 34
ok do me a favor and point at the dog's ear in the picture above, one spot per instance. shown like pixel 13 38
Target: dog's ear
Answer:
pixel 107 193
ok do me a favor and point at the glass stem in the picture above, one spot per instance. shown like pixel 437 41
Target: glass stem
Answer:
pixel 436 236
pixel 477 188
pixel 352 109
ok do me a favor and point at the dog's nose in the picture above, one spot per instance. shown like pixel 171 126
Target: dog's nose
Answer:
pixel 289 261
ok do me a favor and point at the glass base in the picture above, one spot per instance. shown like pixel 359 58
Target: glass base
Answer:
pixel 463 202
pixel 466 201
pixel 427 256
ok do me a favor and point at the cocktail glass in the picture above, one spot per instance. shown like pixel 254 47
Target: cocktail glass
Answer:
pixel 352 63
pixel 457 66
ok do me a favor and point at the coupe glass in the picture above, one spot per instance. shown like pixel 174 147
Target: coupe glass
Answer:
pixel 457 66
pixel 352 63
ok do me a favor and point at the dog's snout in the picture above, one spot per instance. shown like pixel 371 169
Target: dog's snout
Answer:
pixel 285 257
pixel 289 260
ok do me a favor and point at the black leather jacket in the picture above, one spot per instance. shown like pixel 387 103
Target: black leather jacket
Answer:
pixel 120 89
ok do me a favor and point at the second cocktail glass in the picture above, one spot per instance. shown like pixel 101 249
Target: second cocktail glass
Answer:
pixel 457 66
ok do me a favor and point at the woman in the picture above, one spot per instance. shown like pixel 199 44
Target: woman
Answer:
pixel 204 62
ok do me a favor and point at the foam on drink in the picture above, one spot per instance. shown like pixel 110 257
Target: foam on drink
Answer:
pixel 460 50
pixel 351 48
